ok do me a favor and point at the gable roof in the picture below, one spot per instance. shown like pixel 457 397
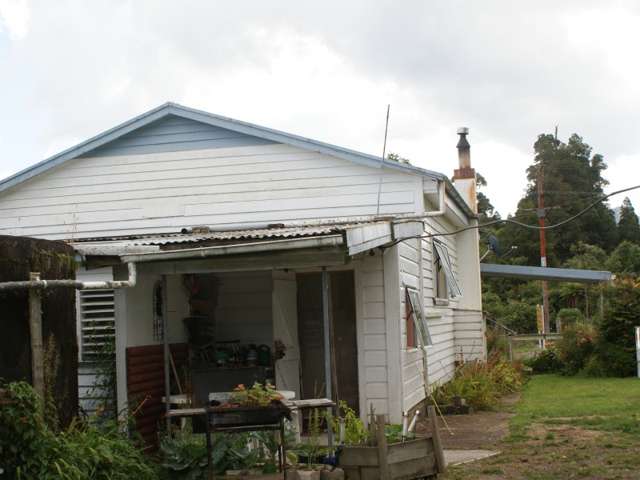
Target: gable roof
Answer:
pixel 246 128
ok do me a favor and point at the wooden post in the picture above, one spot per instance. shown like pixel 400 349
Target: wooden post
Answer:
pixel 35 328
pixel 510 348
pixel 328 377
pixel 166 353
pixel 381 440
pixel 437 444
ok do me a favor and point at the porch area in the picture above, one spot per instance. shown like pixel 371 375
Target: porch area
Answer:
pixel 305 313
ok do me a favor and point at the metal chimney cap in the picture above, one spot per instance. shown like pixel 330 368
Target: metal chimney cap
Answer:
pixel 463 131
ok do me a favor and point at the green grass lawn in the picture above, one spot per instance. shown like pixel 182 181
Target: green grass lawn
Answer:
pixel 566 428
pixel 600 403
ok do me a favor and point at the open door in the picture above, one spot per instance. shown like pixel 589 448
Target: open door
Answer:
pixel 285 330
pixel 311 333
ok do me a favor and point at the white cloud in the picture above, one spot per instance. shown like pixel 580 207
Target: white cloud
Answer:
pixel 507 70
pixel 14 18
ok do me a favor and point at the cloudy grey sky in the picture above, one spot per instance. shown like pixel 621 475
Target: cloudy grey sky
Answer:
pixel 327 69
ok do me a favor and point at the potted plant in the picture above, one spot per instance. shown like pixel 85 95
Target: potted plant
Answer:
pixel 258 405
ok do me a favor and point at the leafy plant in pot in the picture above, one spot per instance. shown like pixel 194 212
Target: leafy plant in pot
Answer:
pixel 258 405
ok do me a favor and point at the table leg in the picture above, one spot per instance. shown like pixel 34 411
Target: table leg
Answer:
pixel 209 448
pixel 283 448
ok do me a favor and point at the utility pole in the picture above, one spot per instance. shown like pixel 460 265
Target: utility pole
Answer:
pixel 542 213
pixel 543 248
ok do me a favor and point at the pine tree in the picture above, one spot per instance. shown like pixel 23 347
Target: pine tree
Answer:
pixel 572 180
pixel 628 226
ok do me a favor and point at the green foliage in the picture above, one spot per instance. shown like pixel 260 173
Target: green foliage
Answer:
pixel 572 180
pixel 486 210
pixel 29 449
pixel 625 259
pixel 88 451
pixel 184 456
pixel 569 316
pixel 546 361
pixel 393 433
pixel 576 346
pixel 355 432
pixel 257 396
pixel 497 343
pixel 25 441
pixel 481 384
pixel 616 345
pixel 628 226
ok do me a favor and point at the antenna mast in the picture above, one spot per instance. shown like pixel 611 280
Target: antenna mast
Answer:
pixel 384 151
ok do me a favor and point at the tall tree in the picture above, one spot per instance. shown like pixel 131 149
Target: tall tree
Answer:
pixel 628 227
pixel 572 179
pixel 486 210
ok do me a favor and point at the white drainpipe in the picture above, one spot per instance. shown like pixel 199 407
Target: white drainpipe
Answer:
pixel 42 284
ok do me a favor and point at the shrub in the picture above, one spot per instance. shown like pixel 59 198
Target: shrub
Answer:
pixel 25 442
pixel 481 383
pixel 616 345
pixel 546 361
pixel 576 346
pixel 496 342
pixel 569 316
pixel 29 449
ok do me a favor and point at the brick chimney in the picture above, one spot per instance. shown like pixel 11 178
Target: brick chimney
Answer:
pixel 464 177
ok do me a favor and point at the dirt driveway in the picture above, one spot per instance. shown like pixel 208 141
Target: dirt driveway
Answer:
pixel 479 430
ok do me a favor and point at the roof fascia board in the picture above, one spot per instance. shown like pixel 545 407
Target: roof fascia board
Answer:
pixel 295 140
pixel 84 147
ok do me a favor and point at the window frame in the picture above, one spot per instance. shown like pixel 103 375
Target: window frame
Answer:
pixel 444 280
pixel 421 336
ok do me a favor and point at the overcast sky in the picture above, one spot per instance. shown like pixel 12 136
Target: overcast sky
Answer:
pixel 507 70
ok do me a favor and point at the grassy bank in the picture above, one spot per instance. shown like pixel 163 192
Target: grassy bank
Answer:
pixel 609 404
pixel 568 427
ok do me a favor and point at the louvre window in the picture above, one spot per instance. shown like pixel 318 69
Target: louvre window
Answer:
pixel 97 320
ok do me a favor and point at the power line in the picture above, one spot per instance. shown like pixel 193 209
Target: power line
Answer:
pixel 521 224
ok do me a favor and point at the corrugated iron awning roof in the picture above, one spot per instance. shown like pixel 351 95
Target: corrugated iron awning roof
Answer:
pixel 203 236
pixel 132 244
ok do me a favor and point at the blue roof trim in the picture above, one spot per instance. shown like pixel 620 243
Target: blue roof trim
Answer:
pixel 545 273
pixel 171 108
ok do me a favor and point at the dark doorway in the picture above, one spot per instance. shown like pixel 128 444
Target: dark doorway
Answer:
pixel 311 335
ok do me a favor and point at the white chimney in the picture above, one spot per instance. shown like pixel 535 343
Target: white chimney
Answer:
pixel 464 177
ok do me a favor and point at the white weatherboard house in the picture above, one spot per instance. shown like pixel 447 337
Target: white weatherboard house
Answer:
pixel 229 226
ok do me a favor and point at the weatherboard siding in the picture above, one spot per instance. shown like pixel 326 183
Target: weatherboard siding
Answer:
pixel 173 133
pixel 372 339
pixel 416 270
pixel 221 187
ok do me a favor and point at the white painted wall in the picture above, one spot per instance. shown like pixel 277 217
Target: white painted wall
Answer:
pixel 456 326
pixel 375 376
pixel 139 312
pixel 222 187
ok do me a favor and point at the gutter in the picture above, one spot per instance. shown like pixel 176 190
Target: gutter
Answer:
pixel 236 249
